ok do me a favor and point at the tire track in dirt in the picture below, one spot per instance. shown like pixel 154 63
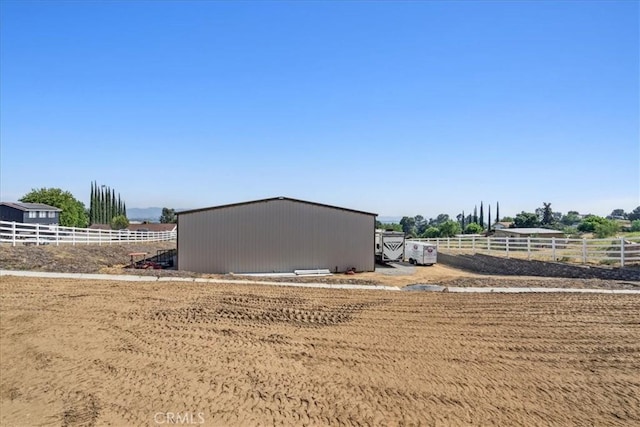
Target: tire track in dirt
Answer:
pixel 99 353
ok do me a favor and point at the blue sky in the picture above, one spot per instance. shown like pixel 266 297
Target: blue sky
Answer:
pixel 398 108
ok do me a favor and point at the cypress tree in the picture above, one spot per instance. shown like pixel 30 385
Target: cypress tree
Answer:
pixel 475 214
pixel 107 218
pixel 489 216
pixel 114 206
pixel 103 202
pixel 99 214
pixel 91 206
pixel 497 211
pixel 463 224
pixel 481 215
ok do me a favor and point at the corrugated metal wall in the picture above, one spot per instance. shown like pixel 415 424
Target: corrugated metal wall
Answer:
pixel 277 235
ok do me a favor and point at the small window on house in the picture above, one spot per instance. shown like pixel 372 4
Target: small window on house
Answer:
pixel 52 214
pixel 32 214
pixel 42 214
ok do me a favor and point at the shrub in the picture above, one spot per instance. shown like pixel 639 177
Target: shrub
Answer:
pixel 606 229
pixel 589 224
pixel 473 228
pixel 119 222
pixel 431 232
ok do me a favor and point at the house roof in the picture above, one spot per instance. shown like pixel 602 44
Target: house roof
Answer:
pixel 274 199
pixel 155 227
pixel 532 231
pixel 31 206
pixel 100 227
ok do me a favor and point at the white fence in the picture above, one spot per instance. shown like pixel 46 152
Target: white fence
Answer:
pixel 613 251
pixel 16 233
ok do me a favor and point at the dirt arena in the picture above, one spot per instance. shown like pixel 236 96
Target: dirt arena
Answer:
pixel 83 353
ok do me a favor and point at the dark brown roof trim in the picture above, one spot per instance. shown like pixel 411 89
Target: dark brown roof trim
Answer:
pixel 271 200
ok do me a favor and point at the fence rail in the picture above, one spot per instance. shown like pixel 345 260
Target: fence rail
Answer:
pixel 617 251
pixel 16 233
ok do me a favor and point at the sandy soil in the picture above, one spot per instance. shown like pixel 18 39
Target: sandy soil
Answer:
pixel 84 353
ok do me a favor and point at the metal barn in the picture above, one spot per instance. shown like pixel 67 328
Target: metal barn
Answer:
pixel 275 235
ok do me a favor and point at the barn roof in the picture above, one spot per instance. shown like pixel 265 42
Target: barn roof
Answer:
pixel 271 200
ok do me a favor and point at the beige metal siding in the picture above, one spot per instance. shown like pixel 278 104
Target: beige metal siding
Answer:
pixel 275 236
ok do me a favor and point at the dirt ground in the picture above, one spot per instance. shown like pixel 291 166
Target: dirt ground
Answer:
pixel 85 353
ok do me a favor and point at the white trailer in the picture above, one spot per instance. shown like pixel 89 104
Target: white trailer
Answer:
pixel 420 253
pixel 389 246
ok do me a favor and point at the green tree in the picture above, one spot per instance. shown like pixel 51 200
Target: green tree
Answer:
pixel 104 204
pixel 526 220
pixel 571 218
pixel 168 216
pixel 391 226
pixel 547 214
pixel 618 214
pixel 497 211
pixel 588 225
pixel 481 216
pixel 421 224
pixel 460 218
pixel 607 228
pixel 73 212
pixel 473 228
pixel 91 206
pixel 635 225
pixel 441 218
pixel 634 214
pixel 119 222
pixel 449 229
pixel 431 233
pixel 408 225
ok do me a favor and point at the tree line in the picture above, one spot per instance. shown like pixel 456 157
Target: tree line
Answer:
pixel 104 206
pixel 543 217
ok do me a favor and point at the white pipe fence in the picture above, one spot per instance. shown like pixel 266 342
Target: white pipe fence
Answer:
pixel 16 233
pixel 616 251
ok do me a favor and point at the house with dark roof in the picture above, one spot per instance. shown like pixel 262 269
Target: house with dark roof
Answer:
pixel 29 213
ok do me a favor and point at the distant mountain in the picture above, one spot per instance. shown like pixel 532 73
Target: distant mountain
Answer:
pixel 389 219
pixel 144 214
